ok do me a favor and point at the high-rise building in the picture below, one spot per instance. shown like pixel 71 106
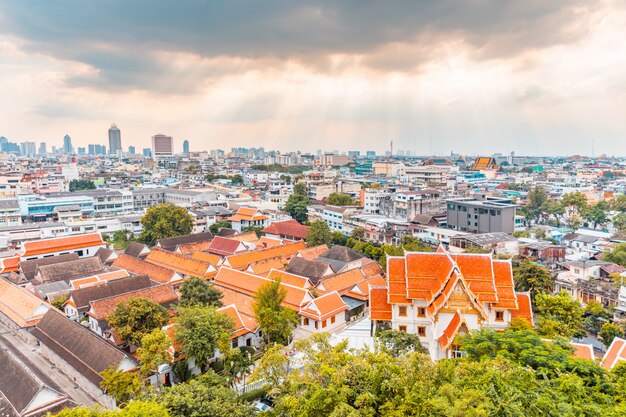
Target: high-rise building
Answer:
pixel 92 149
pixel 67 144
pixel 43 148
pixel 147 152
pixel 81 151
pixel 28 148
pixel 162 146
pixel 131 150
pixel 186 147
pixel 115 140
pixel 371 154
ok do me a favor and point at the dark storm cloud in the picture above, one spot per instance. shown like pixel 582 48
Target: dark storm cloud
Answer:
pixel 124 40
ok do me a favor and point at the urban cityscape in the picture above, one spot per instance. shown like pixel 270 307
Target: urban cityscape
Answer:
pixel 303 209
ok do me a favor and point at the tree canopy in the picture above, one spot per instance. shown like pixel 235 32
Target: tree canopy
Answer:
pixel 337 199
pixel 297 203
pixel 278 322
pixel 617 255
pixel 163 221
pixel 153 351
pixel 136 318
pixel 529 276
pixel 559 315
pixel 76 185
pixel 197 291
pixel 318 234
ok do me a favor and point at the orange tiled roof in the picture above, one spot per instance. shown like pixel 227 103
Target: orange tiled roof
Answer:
pixel 290 228
pixel 140 267
pixel 361 290
pixel 343 282
pixel 242 260
pixel 524 310
pixel 396 276
pixel 450 331
pixel 290 279
pixel 98 279
pixel 264 266
pixel 244 305
pixel 380 309
pixel 160 294
pixel 247 237
pixel 427 274
pixel 59 244
pixel 225 246
pixel 477 271
pixel 9 264
pixel 207 257
pixel 268 242
pixel 324 307
pixel 313 253
pixel 583 351
pixel 371 269
pixel 189 248
pixel 248 214
pixel 249 284
pixel 615 354
pixel 20 305
pixel 239 327
pixel 503 275
pixel 184 265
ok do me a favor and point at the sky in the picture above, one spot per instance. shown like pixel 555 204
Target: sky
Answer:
pixel 471 76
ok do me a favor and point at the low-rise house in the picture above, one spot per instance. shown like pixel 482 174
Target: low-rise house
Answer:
pixel 82 245
pixel 615 354
pixel 325 313
pixel 156 273
pixel 106 256
pixel 243 260
pixel 67 271
pixel 100 310
pixel 312 269
pixel 438 296
pixel 185 266
pixel 289 229
pixel 20 308
pixel 137 250
pixel 248 217
pixel 543 251
pixel 79 300
pixel 80 354
pixel 26 391
pixel 223 246
pixel 28 269
pixel 171 243
pixel 498 242
pixel 245 329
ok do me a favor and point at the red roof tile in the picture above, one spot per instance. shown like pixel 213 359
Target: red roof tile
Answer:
pixel 524 310
pixel 140 267
pixel 184 265
pixel 450 331
pixel 289 228
pixel 59 244
pixel 380 309
pixel 615 354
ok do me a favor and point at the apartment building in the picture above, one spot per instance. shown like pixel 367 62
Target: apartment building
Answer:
pixel 482 216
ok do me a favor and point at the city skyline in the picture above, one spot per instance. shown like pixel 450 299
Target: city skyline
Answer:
pixel 474 78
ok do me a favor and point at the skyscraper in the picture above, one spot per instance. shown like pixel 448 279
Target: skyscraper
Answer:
pixel 43 149
pixel 115 140
pixel 131 150
pixel 186 147
pixel 28 148
pixel 92 149
pixel 67 145
pixel 162 148
pixel 147 152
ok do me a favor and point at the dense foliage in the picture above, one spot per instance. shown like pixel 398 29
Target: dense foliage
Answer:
pixel 137 317
pixel 277 321
pixel 165 220
pixel 318 234
pixel 297 203
pixel 197 291
pixel 76 185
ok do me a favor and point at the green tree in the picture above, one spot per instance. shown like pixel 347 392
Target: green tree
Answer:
pixel 319 234
pixel 296 206
pixel 597 214
pixel 165 220
pixel 134 409
pixel 197 291
pixel 529 276
pixel 619 203
pixel 153 351
pixel 338 238
pixel 215 227
pixel 399 343
pixel 574 205
pixel 537 197
pixel 137 317
pixel 619 222
pixel 121 386
pixel 204 396
pixel 556 210
pixel 200 331
pixel 358 233
pixel 336 199
pixel 300 189
pixel 610 331
pixel 595 315
pixel 276 321
pixel 236 179
pixel 76 185
pixel 617 255
pixel 559 315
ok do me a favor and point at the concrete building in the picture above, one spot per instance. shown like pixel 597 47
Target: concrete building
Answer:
pixel 406 205
pixel 162 147
pixel 482 216
pixel 147 197
pixel 115 140
pixel 67 145
pixel 186 147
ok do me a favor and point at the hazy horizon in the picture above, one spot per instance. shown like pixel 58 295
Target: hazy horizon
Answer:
pixel 473 77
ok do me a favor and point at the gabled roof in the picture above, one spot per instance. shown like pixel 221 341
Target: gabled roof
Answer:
pixel 59 244
pixel 426 274
pixel 170 243
pixel 208 257
pixel 25 391
pixel 242 260
pixel 249 284
pixel 247 214
pixel 21 306
pixel 9 264
pixel 264 266
pixel 313 270
pixel 396 277
pixel 137 250
pixel 343 282
pixel 240 327
pixel 380 309
pixel 312 253
pixel 81 297
pixel 615 354
pixel 505 287
pixel 524 310
pixel 106 255
pixel 244 304
pixel 160 294
pixel 477 271
pixel 29 268
pixel 98 279
pixel 83 350
pixel 139 267
pixel 184 265
pixel 225 246
pixel 67 271
pixel 341 253
pixel 291 279
pixel 583 351
pixel 450 331
pixel 290 228
pixel 324 307
pixel 269 242
pixel 189 248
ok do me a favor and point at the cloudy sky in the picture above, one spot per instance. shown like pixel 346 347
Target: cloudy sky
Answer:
pixel 470 76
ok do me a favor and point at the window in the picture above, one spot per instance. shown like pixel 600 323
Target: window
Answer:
pixel 235 343
pixel 305 322
pixel 421 331
pixel 316 325
pixel 402 311
pixel 421 312
pixel 332 320
pixel 402 328
pixel 499 315
pixel 323 324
